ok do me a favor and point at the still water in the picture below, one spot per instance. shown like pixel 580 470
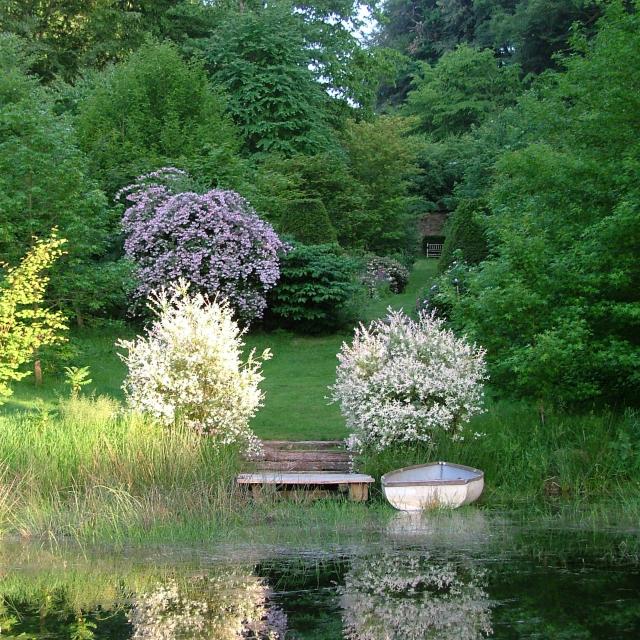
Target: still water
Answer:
pixel 458 576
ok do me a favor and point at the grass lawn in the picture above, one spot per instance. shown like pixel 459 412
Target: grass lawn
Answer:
pixel 296 378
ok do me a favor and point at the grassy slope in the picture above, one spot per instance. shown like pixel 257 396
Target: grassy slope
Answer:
pixel 296 379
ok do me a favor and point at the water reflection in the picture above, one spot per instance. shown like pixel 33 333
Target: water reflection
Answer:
pixel 457 576
pixel 405 596
pixel 227 606
pixel 142 603
pixel 450 530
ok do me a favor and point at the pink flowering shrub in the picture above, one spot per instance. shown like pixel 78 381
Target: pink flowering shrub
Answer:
pixel 401 380
pixel 214 240
pixel 189 368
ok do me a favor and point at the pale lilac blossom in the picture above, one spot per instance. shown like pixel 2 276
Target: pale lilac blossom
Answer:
pixel 215 240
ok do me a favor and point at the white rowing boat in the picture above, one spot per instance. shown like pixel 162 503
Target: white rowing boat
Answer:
pixel 437 484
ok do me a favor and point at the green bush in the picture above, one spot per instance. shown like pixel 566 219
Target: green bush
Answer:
pixel 317 290
pixel 308 222
pixel 154 110
pixel 465 234
pixel 557 302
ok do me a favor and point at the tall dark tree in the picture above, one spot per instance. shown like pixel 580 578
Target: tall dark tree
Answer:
pixel 260 58
pixel 64 36
pixel 527 32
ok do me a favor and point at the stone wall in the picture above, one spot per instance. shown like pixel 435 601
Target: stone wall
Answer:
pixel 432 224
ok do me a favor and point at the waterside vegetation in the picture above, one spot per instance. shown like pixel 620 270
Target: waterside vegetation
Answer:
pixel 82 468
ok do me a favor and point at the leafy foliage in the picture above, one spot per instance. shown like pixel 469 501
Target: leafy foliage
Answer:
pixel 326 177
pixel 189 368
pixel 214 240
pixel 76 378
pixel 65 35
pixel 461 90
pixel 261 61
pixel 400 380
pixel 557 303
pixel 308 222
pixel 43 184
pixel 528 32
pixel 155 110
pixel 465 236
pixel 382 156
pixel 316 291
pixel 25 324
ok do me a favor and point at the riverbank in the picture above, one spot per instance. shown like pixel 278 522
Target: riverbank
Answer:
pixel 82 469
pixel 90 472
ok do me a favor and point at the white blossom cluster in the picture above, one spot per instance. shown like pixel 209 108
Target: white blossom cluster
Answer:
pixel 400 380
pixel 404 597
pixel 189 368
pixel 226 607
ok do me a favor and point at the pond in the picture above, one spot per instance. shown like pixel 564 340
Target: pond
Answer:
pixel 462 575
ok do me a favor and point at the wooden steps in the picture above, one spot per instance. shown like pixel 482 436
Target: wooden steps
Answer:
pixel 307 455
pixel 313 467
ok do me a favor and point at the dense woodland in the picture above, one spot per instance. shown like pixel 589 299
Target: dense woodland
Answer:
pixel 342 128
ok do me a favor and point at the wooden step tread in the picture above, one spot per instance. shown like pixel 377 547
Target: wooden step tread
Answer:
pixel 277 455
pixel 303 444
pixel 307 465
pixel 304 478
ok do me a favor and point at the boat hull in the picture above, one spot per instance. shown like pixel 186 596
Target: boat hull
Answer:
pixel 444 485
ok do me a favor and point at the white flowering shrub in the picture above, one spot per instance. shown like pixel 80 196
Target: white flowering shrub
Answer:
pixel 401 380
pixel 189 368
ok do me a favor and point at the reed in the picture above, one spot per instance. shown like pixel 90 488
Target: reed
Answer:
pixel 89 469
pixel 570 457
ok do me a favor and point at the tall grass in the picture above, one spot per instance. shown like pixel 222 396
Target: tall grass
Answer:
pixel 89 469
pixel 90 472
pixel 581 458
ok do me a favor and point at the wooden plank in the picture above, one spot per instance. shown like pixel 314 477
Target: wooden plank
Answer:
pixel 303 478
pixel 308 465
pixel 303 444
pixel 358 492
pixel 276 455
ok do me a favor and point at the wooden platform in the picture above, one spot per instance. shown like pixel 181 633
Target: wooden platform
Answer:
pixel 316 467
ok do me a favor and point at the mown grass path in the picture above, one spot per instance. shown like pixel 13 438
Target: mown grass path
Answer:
pixel 302 368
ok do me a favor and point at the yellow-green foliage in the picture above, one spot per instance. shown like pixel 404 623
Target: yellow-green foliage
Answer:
pixel 25 325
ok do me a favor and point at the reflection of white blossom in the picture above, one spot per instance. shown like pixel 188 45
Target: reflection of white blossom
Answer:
pixel 228 606
pixel 407 597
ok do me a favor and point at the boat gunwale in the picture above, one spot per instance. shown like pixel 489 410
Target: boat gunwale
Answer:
pixel 431 483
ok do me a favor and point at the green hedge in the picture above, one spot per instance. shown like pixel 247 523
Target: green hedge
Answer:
pixel 465 234
pixel 317 290
pixel 308 222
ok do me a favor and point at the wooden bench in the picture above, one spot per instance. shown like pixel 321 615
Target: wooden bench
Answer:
pixel 315 467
